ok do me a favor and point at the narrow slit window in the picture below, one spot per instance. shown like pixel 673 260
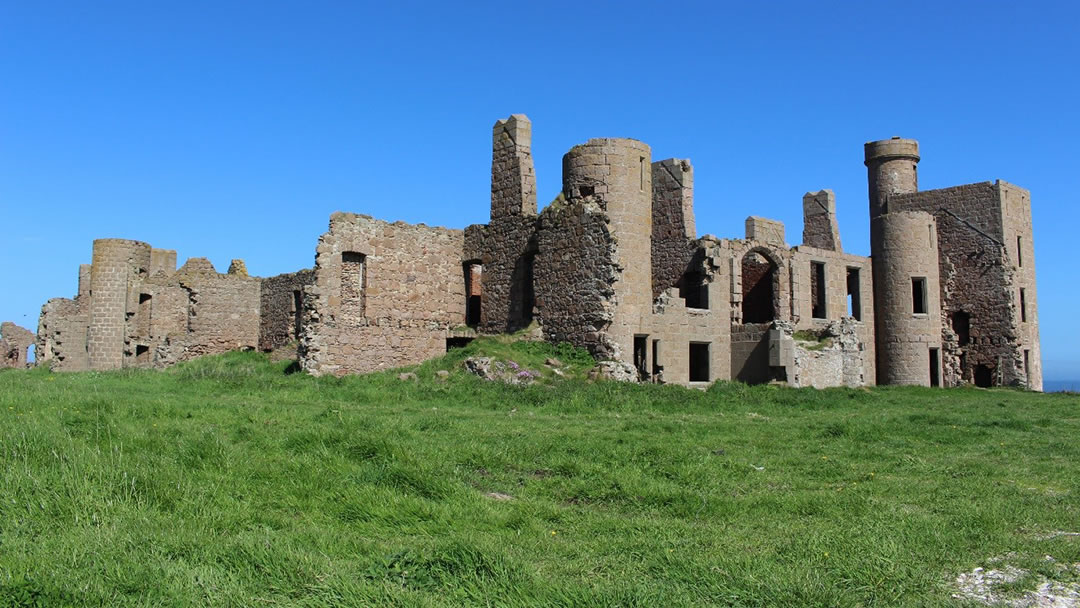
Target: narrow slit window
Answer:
pixel 817 290
pixel 935 367
pixel 144 313
pixel 1027 367
pixel 918 295
pixel 1023 305
pixel 298 311
pixel 1019 251
pixel 641 173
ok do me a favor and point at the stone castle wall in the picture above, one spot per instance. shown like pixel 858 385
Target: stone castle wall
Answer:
pixel 612 265
pixel 281 305
pixel 384 295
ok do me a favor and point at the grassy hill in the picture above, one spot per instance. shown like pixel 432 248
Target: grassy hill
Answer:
pixel 227 481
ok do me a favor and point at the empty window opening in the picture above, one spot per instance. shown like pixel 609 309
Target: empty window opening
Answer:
pixel 457 343
pixel 586 190
pixel 935 367
pixel 523 298
pixel 1023 305
pixel 1019 251
pixel 298 311
pixel 817 290
pixel 961 324
pixel 473 273
pixel 353 281
pixel 694 289
pixel 657 369
pixel 641 356
pixel 759 303
pixel 930 234
pixel 641 173
pixel 918 295
pixel 31 354
pixel 699 362
pixel 142 354
pixel 1027 367
pixel 984 376
pixel 854 295
pixel 144 314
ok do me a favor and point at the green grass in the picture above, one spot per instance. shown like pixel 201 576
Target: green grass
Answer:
pixel 228 482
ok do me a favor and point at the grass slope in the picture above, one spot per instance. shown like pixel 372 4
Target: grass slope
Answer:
pixel 226 481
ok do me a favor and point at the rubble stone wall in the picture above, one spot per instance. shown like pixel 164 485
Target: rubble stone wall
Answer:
pixel 413 294
pixel 673 229
pixel 280 308
pixel 820 228
pixel 15 341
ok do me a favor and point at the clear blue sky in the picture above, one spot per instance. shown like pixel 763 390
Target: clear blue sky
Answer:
pixel 233 129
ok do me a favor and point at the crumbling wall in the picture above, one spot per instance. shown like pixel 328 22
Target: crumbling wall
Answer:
pixel 14 344
pixel 832 355
pixel 977 280
pixel 411 292
pixel 673 228
pixel 62 329
pixel 674 326
pixel 222 313
pixel 820 229
pixel 575 274
pixel 838 269
pixel 280 308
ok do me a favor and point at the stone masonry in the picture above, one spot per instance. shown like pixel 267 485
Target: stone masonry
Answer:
pixel 15 341
pixel 134 308
pixel 613 265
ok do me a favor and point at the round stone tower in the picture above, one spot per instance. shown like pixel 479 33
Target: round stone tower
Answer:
pixel 892 168
pixel 907 308
pixel 617 174
pixel 116 262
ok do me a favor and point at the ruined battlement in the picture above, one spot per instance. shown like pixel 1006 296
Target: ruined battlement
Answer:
pixel 613 265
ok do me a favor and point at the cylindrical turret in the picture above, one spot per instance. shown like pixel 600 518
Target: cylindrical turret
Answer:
pixel 907 306
pixel 116 262
pixel 617 174
pixel 892 168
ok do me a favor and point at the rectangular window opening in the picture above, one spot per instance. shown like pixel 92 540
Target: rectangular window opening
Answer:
pixel 961 323
pixel 142 354
pixel 699 362
pixel 144 313
pixel 473 288
pixel 641 356
pixel 1019 251
pixel 935 367
pixel 1023 305
pixel 641 173
pixel 817 290
pixel 353 281
pixel 694 290
pixel 854 295
pixel 918 295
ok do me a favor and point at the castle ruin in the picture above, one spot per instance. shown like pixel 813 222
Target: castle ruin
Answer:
pixel 613 265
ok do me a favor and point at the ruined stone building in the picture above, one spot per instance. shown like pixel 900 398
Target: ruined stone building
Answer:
pixel 613 265
pixel 135 309
pixel 15 343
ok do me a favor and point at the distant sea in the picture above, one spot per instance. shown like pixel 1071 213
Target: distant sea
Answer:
pixel 1057 386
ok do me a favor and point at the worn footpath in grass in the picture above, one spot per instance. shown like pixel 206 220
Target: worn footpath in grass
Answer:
pixel 227 481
